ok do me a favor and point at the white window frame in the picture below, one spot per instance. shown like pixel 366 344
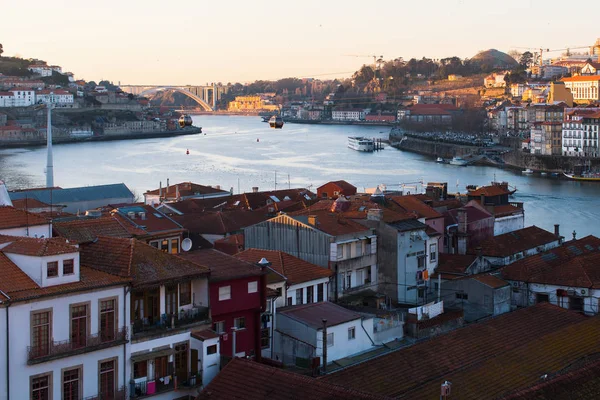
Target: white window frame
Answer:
pixel 352 333
pixel 253 287
pixel 220 327
pixel 433 252
pixel 330 339
pixel 225 293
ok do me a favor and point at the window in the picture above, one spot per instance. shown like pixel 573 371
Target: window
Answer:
pixel 239 323
pixel 299 295
pixel 107 320
pixel 279 291
pixel 72 384
pixel 140 369
pixel 185 293
pixel 40 333
pixel 463 296
pixel 181 360
pixel 79 324
pixel 340 254
pixel 68 267
pixel 310 294
pixel 289 301
pixel 348 280
pixel 320 288
pixel 576 303
pixel 252 287
pixel 171 300
pixel 351 333
pixel 358 247
pixel 164 246
pixel 219 327
pixel 107 379
pixel 421 262
pixel 330 339
pixel 541 298
pixel 41 387
pixel 174 246
pixel 264 338
pixel 224 293
pixel 324 195
pixel 52 269
pixel 211 349
pixel 433 252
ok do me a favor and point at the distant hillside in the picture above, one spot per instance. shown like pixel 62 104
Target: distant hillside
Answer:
pixel 495 59
pixel 14 66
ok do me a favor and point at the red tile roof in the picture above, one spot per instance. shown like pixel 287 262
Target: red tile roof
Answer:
pixel 155 222
pixel 345 186
pixel 27 203
pixel 11 217
pixel 231 244
pixel 88 229
pixel 490 280
pixel 515 242
pixel 412 203
pixel 505 210
pixel 455 264
pixel 248 380
pixel 294 269
pixel 333 224
pixel 313 314
pixel 186 189
pixel 474 214
pixel 489 191
pixel 143 264
pixel 205 334
pixel 574 264
pixel 38 247
pixel 223 266
pixel 219 222
pixel 425 365
pixel 582 78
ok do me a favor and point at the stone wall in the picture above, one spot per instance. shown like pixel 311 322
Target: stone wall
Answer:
pixel 436 149
pixel 547 163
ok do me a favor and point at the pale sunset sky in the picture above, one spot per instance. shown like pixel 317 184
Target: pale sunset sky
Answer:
pixel 199 41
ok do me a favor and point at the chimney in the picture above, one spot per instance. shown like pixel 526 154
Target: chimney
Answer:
pixel 556 229
pixel 254 189
pixel 167 189
pixel 462 220
pixel 142 216
pixel 177 192
pixel 159 190
pixel 374 214
pixel 482 200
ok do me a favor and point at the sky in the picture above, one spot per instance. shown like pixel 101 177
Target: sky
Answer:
pixel 199 41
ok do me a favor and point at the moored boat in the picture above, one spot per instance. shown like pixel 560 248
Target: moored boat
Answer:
pixel 586 177
pixel 276 122
pixel 440 160
pixel 361 143
pixel 459 161
pixel 527 171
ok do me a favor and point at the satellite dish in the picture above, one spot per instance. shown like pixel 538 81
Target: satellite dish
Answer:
pixel 186 244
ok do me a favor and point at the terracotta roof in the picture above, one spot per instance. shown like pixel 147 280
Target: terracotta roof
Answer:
pixel 582 78
pixel 27 203
pixel 313 314
pixel 142 263
pixel 424 365
pixel 332 224
pixel 88 229
pixel 222 266
pixel 205 334
pixel 574 264
pixel 411 203
pixel 38 247
pixel 474 214
pixel 489 191
pixel 294 269
pixel 515 242
pixel 219 222
pixel 186 189
pixel 155 222
pixel 345 186
pixel 454 263
pixel 505 210
pixel 231 244
pixel 11 217
pixel 490 280
pixel 248 380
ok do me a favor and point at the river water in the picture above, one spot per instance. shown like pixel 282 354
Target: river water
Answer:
pixel 242 152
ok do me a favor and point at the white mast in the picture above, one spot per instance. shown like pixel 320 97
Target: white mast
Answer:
pixel 49 163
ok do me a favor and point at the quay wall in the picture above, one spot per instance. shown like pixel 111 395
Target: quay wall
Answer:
pixel 554 163
pixel 434 149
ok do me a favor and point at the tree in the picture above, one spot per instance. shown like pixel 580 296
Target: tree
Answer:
pixel 364 75
pixel 526 59
pixel 1 50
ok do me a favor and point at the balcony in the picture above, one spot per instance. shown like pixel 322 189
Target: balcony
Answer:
pixel 151 387
pixel 65 348
pixel 120 394
pixel 170 321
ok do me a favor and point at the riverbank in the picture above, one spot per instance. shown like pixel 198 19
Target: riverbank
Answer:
pixel 333 122
pixel 101 138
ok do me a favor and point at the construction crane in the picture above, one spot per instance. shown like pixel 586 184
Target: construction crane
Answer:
pixel 375 58
pixel 542 50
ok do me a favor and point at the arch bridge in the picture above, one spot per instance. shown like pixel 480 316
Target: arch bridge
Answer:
pixel 202 95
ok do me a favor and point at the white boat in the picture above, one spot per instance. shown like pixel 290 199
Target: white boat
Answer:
pixel 361 143
pixel 81 134
pixel 543 173
pixel 527 171
pixel 440 160
pixel 459 161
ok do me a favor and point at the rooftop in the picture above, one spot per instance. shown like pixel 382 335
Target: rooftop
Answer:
pixel 413 203
pixel 248 380
pixel 11 217
pixel 515 242
pixel 574 264
pixel 331 223
pixel 147 219
pixel 294 269
pixel 37 247
pixel 489 191
pixel 69 195
pixel 313 314
pixel 490 280
pixel 419 369
pixel 186 189
pixel 222 266
pixel 454 264
pixel 219 222
pixel 88 229
pixel 342 185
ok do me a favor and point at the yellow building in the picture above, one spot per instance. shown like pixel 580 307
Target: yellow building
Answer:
pixel 247 103
pixel 559 92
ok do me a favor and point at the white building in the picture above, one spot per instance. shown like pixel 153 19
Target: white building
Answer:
pixel 59 97
pixel 295 280
pixel 580 132
pixel 41 69
pixel 585 88
pixel 23 97
pixel 565 276
pixel 62 323
pixel 7 99
pixel 352 114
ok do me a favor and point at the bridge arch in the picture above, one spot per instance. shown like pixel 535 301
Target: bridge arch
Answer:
pixel 191 95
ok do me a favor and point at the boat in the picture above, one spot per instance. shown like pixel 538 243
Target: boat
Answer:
pixel 584 177
pixel 185 120
pixel 359 143
pixel 527 171
pixel 459 161
pixel 81 134
pixel 440 160
pixel 510 189
pixel 266 118
pixel 276 122
pixel 543 173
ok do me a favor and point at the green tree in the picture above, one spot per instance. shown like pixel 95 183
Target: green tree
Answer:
pixel 526 59
pixel 1 50
pixel 364 75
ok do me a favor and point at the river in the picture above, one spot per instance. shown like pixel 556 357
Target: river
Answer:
pixel 242 152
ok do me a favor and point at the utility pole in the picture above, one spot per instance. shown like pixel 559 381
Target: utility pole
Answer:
pixel 49 161
pixel 275 180
pixel 324 346
pixel 289 185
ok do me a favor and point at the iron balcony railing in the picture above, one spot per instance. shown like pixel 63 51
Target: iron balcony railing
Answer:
pixel 119 394
pixel 151 387
pixel 171 321
pixel 67 347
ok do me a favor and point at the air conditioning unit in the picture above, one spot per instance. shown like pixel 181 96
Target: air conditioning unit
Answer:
pixel 584 292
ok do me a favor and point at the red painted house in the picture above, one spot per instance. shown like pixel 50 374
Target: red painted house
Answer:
pixel 237 292
pixel 331 190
